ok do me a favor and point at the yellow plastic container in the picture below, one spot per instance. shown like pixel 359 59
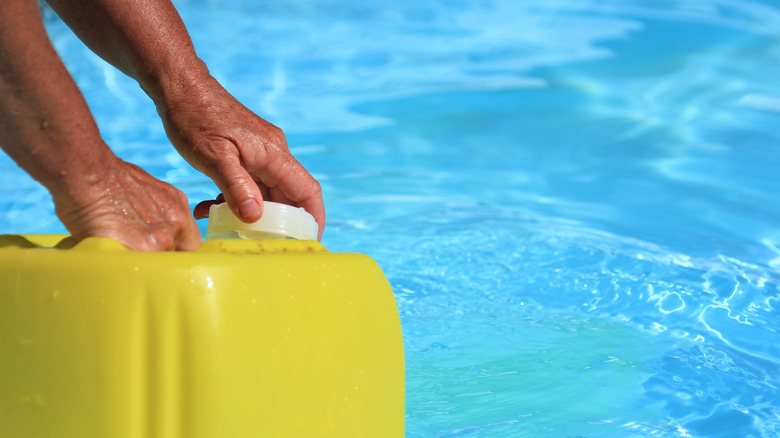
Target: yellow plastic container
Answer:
pixel 275 338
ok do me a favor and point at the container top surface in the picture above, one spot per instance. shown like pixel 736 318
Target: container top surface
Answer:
pixel 62 242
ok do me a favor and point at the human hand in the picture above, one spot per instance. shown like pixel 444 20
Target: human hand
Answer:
pixel 246 156
pixel 129 205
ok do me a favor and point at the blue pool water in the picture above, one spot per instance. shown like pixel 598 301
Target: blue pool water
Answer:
pixel 574 201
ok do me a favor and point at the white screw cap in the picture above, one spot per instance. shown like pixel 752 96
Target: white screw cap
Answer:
pixel 279 221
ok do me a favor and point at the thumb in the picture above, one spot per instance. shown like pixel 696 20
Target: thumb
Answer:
pixel 240 190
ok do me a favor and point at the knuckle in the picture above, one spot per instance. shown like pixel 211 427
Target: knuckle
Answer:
pixel 316 186
pixel 278 134
pixel 176 218
pixel 275 137
pixel 164 242
pixel 182 198
pixel 237 183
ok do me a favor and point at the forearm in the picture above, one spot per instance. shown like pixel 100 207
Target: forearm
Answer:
pixel 46 127
pixel 146 39
pixel 45 124
pixel 214 132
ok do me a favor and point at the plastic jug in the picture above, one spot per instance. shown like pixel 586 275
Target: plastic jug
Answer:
pixel 241 338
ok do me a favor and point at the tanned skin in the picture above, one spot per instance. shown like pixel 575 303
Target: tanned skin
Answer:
pixel 47 128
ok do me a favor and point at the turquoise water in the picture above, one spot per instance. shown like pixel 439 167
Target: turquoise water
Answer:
pixel 574 201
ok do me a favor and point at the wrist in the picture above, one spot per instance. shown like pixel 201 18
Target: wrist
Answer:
pixel 81 181
pixel 175 82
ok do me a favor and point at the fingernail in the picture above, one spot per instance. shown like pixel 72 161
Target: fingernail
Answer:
pixel 249 208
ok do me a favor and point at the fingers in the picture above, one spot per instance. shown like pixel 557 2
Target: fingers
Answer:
pixel 246 157
pixel 134 208
pixel 135 235
pixel 239 189
pixel 316 208
pixel 313 205
pixel 190 239
pixel 201 210
pixel 292 184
